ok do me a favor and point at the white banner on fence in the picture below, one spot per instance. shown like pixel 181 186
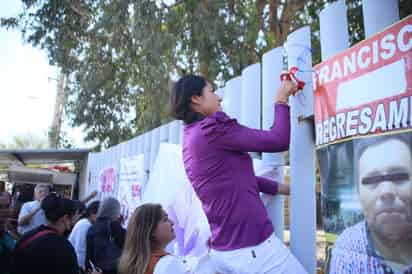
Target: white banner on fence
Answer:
pixel 130 184
pixel 170 187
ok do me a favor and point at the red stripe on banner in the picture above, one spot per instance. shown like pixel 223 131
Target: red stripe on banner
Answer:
pixel 370 80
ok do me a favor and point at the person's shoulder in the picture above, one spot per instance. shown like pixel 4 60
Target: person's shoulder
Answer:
pixel 79 227
pixel 59 242
pixel 82 223
pixel 32 204
pixel 29 204
pixel 50 240
pixel 30 233
pixel 216 124
pixel 116 225
pixel 93 229
pixel 353 238
pixel 170 264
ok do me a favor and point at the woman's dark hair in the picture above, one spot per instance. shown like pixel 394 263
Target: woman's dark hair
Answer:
pixel 80 207
pixel 56 207
pixel 181 98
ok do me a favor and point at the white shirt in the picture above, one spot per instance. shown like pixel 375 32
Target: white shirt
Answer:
pixel 170 264
pixel 78 240
pixel 38 219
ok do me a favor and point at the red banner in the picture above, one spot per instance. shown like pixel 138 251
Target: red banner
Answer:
pixel 366 89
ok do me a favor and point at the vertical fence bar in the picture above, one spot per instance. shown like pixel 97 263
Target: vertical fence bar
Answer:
pixel 271 70
pixel 146 151
pixel 378 14
pixel 154 148
pixel 334 35
pixel 251 96
pixel 302 155
pixel 233 98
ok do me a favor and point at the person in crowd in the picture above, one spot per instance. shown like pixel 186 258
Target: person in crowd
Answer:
pixel 77 236
pixel 105 238
pixel 81 206
pixel 44 249
pixel 13 214
pixel 7 244
pixel 148 232
pixel 31 214
pixel 7 241
pixel 5 198
pixel 216 160
pixel 4 207
pixel 382 242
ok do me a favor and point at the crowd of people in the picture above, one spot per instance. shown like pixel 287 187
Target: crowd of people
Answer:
pixel 58 235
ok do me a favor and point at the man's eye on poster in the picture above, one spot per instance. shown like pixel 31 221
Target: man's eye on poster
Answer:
pixel 363 120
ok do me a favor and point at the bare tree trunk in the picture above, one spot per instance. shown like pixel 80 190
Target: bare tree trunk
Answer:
pixel 60 102
pixel 280 24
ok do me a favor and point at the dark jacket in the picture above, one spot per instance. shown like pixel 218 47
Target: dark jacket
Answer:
pixel 49 253
pixel 97 249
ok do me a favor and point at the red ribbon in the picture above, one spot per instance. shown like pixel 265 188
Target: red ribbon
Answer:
pixel 291 75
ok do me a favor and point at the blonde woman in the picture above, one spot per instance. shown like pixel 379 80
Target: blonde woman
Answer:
pixel 148 233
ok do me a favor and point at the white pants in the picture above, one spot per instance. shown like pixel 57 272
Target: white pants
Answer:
pixel 268 257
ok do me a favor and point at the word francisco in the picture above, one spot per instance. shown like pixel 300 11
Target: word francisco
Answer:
pixel 366 89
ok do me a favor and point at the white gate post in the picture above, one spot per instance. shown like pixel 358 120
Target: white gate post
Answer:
pixel 378 14
pixel 251 95
pixel 334 35
pixel 302 155
pixel 271 70
pixel 154 148
pixel 233 97
pixel 146 151
pixel 221 93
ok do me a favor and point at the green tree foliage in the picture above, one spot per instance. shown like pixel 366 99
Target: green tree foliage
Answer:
pixel 122 56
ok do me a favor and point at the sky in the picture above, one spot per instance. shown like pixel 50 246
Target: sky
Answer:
pixel 27 88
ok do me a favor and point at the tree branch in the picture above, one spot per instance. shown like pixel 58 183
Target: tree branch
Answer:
pixel 260 6
pixel 78 12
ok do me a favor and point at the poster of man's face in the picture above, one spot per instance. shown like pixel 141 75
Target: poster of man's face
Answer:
pixel 369 211
pixel 385 188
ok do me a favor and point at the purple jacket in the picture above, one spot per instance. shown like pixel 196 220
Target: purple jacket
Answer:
pixel 221 173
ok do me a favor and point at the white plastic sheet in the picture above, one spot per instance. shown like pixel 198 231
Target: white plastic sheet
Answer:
pixel 169 186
